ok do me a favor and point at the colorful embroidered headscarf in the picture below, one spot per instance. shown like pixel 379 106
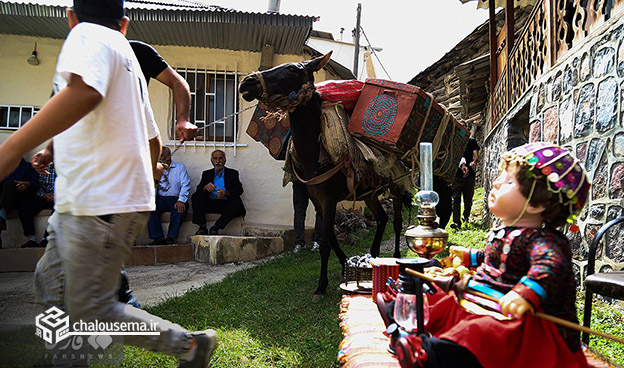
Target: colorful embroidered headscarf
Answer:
pixel 565 175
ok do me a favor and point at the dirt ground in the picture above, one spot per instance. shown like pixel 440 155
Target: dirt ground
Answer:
pixel 151 285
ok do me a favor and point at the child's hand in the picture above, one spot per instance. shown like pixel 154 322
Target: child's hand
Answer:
pixel 514 305
pixel 458 251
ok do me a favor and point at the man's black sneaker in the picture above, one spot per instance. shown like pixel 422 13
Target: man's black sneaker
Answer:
pixel 158 241
pixel 30 244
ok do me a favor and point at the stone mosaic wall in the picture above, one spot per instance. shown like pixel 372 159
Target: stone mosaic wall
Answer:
pixel 579 105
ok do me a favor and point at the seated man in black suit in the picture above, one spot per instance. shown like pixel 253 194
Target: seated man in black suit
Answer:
pixel 218 191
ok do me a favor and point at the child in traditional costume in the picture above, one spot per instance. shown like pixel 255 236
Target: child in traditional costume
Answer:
pixel 527 263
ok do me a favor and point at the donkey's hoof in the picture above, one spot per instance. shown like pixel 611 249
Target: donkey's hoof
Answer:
pixel 316 297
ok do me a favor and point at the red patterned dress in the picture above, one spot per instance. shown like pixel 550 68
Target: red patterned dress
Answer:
pixel 537 264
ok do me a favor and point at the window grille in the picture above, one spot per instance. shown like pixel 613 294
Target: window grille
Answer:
pixel 14 117
pixel 213 96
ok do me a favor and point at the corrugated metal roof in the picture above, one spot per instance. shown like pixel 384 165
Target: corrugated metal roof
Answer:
pixel 171 22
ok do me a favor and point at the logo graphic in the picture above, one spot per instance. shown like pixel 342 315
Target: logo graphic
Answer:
pixel 52 325
pixel 99 341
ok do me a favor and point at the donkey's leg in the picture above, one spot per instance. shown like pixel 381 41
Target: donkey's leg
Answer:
pixel 329 215
pixel 382 219
pixel 397 204
pixel 342 257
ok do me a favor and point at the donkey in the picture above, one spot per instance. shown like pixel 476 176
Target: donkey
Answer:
pixel 290 86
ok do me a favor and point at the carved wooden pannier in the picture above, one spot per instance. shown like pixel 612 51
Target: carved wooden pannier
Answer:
pixel 399 116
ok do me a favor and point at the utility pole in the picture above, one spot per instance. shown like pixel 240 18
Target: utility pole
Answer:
pixel 356 54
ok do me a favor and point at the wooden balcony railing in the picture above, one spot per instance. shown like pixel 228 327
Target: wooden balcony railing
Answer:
pixel 552 29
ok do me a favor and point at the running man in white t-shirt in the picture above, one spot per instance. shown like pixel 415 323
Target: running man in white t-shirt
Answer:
pixel 105 150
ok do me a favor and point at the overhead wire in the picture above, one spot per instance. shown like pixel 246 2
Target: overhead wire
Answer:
pixel 375 53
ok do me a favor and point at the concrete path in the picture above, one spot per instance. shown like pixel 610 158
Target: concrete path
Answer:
pixel 151 285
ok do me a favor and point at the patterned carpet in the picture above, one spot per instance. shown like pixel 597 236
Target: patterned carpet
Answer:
pixel 365 345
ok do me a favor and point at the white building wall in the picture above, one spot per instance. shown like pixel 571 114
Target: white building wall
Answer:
pixel 267 202
pixel 343 53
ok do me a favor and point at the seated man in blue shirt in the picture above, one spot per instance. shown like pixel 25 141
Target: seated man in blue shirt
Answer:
pixel 218 191
pixel 42 199
pixel 171 196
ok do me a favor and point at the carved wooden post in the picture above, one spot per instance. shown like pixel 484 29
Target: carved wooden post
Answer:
pixel 549 33
pixel 591 15
pixel 577 22
pixel 509 22
pixel 493 60
pixel 560 30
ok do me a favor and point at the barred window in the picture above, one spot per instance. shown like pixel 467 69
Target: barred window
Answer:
pixel 213 97
pixel 14 116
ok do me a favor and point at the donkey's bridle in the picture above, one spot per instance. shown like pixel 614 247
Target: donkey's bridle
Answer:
pixel 285 102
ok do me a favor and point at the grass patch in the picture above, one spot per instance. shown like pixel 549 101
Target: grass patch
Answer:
pixel 473 233
pixel 265 316
pixel 606 317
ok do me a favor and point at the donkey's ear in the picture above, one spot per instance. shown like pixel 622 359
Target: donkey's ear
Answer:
pixel 319 62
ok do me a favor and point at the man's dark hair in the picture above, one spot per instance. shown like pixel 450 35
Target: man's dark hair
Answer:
pixel 103 21
pixel 108 13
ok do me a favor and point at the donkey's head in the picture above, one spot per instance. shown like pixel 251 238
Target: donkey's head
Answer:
pixel 284 85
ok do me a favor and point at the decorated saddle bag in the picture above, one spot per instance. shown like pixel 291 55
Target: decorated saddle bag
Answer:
pixel 399 116
pixel 271 127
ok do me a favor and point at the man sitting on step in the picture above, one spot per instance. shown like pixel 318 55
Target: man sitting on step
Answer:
pixel 19 186
pixel 171 196
pixel 218 191
pixel 42 199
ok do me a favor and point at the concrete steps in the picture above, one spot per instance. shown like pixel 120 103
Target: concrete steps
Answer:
pixel 258 241
pixel 287 233
pixel 25 260
pixel 148 255
pixel 20 260
pixel 216 249
pixel 219 249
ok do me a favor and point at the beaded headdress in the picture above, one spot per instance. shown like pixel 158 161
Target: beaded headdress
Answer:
pixel 565 175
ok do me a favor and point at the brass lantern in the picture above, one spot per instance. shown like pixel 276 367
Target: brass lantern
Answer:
pixel 425 239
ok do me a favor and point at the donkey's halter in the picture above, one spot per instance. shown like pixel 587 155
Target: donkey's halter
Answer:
pixel 285 102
